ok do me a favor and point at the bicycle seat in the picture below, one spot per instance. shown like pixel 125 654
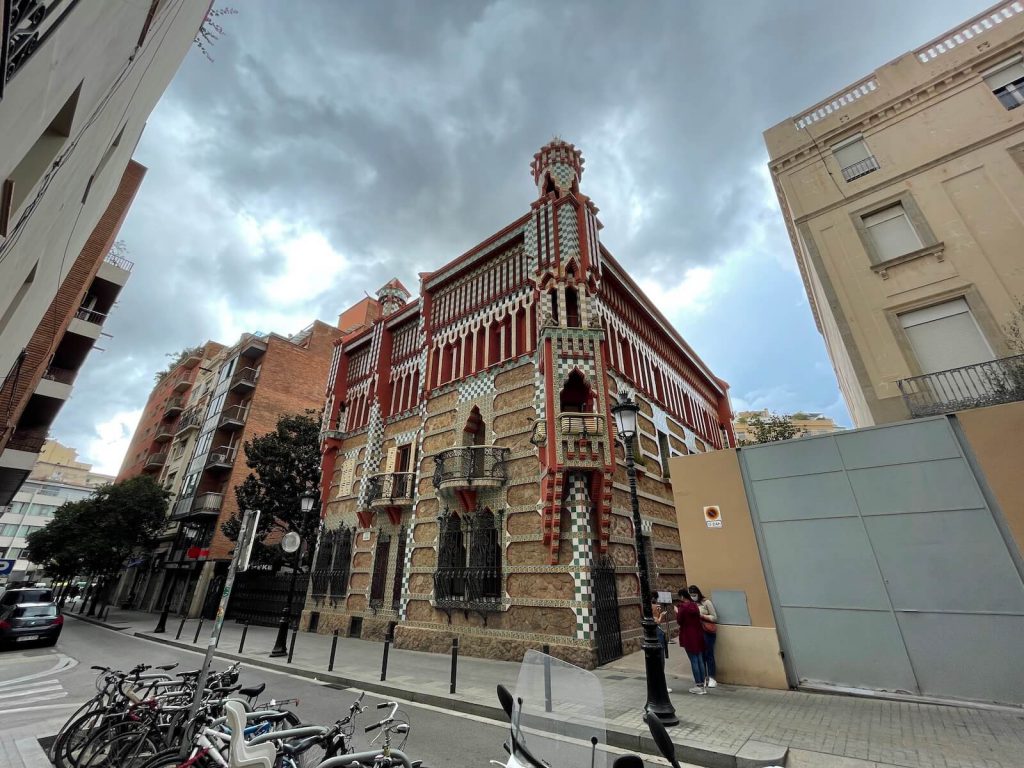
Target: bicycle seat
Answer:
pixel 269 717
pixel 242 755
pixel 253 690
pixel 167 667
pixel 190 673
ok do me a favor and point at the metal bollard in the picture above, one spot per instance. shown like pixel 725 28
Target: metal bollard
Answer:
pixel 547 678
pixel 334 647
pixel 455 663
pixel 245 630
pixel 291 645
pixel 180 627
pixel 384 661
pixel 198 630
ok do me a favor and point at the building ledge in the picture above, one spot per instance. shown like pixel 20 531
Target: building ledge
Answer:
pixel 938 250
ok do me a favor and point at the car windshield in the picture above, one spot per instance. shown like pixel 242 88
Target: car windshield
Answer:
pixel 38 610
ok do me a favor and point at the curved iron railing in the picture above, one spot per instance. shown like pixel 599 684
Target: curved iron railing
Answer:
pixel 390 486
pixel 470 465
pixel 969 386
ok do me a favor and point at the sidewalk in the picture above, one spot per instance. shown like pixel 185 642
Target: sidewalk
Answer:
pixel 731 726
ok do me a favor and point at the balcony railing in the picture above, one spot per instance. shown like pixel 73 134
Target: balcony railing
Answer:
pixel 62 375
pixel 471 467
pixel 222 457
pixel 28 440
pixel 208 503
pixel 181 384
pixel 174 406
pixel 860 168
pixel 582 424
pixel 164 432
pixel 233 417
pixel 970 386
pixel 119 261
pixel 155 460
pixel 191 419
pixel 243 380
pixel 90 315
pixel 27 28
pixel 390 489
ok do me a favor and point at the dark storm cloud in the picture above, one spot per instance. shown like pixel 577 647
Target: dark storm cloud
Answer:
pixel 403 131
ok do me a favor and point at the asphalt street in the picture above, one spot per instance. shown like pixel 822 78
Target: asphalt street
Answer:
pixel 45 685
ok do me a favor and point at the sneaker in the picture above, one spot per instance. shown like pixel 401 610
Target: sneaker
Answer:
pixel 699 690
pixel 669 690
pixel 712 683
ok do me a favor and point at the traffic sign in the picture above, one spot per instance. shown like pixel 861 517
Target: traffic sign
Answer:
pixel 6 567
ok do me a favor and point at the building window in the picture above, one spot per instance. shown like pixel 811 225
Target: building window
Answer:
pixel 945 336
pixel 892 233
pixel 330 572
pixel 469 559
pixel 1007 82
pixel 854 158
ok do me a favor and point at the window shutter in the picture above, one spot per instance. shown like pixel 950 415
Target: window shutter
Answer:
pixel 1003 77
pixel 945 336
pixel 348 469
pixel 892 232
pixel 389 464
pixel 851 153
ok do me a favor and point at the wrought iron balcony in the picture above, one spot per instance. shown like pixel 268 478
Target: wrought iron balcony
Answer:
pixel 244 380
pixel 173 407
pixel 253 346
pixel 860 168
pixel 222 457
pixel 164 432
pixel 476 466
pixel 970 386
pixel 233 418
pixel 119 261
pixel 207 504
pixel 155 460
pixel 391 489
pixel 26 26
pixel 181 384
pixel 190 419
pixel 582 424
pixel 28 440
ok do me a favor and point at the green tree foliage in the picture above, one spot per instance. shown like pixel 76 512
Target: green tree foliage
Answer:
pixel 177 358
pixel 98 534
pixel 770 429
pixel 285 465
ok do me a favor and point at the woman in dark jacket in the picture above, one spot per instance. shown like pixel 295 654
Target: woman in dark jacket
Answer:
pixel 691 637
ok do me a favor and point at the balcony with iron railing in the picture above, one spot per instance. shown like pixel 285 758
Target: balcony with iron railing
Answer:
pixel 583 437
pixel 25 28
pixel 969 386
pixel 155 460
pixel 581 424
pixel 207 504
pixel 61 375
pixel 860 168
pixel 190 419
pixel 173 407
pixel 391 489
pixel 222 457
pixel 244 380
pixel 119 261
pixel 27 440
pixel 164 431
pixel 90 316
pixel 233 418
pixel 475 466
pixel 181 384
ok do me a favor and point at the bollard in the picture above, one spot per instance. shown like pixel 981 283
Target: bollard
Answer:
pixel 384 661
pixel 180 627
pixel 241 643
pixel 455 663
pixel 198 630
pixel 291 645
pixel 547 678
pixel 334 647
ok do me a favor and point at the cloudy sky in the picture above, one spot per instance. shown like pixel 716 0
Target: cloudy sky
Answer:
pixel 325 151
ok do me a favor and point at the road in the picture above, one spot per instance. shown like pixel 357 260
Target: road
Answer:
pixel 45 685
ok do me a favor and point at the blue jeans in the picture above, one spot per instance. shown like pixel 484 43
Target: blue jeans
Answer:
pixel 709 653
pixel 697 666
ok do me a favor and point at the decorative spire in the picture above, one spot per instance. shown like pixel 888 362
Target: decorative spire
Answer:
pixel 557 168
pixel 392 296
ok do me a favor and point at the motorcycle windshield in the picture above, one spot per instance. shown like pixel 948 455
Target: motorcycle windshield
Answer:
pixel 558 710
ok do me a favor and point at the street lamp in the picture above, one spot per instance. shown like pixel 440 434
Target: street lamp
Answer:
pixel 658 702
pixel 280 645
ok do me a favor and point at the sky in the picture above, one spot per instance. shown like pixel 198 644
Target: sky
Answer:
pixel 322 153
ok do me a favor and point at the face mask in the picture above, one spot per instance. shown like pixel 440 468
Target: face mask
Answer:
pixel 694 597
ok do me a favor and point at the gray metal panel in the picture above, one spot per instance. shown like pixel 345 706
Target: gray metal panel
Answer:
pixel 854 648
pixel 967 656
pixel 824 563
pixel 805 497
pixel 923 440
pixel 922 487
pixel 731 607
pixel 946 561
pixel 809 455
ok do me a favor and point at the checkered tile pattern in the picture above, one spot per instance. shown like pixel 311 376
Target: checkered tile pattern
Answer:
pixel 530 245
pixel 568 236
pixel 577 503
pixel 562 174
pixel 476 386
pixel 374 443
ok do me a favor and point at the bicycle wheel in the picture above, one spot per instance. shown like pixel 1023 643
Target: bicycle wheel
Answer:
pixel 93 751
pixel 89 706
pixel 124 750
pixel 65 752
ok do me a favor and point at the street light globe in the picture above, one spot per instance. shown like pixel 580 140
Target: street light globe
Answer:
pixel 625 417
pixel 291 542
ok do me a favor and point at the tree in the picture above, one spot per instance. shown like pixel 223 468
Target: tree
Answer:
pixel 1015 329
pixel 286 465
pixel 211 31
pixel 770 429
pixel 177 358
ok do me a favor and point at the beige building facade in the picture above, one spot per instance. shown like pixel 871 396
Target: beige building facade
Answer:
pixel 903 195
pixel 806 424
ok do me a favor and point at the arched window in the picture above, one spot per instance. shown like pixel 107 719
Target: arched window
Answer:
pixel 576 396
pixel 554 305
pixel 572 307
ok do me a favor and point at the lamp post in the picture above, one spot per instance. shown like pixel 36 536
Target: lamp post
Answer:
pixel 658 702
pixel 281 644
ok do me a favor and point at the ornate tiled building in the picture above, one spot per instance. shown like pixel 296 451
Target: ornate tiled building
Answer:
pixel 471 481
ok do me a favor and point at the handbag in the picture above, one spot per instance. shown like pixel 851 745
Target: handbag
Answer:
pixel 709 626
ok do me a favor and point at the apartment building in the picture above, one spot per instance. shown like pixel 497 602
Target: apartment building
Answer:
pixel 471 483
pixel 903 194
pixel 57 477
pixel 805 424
pixel 77 83
pixel 248 386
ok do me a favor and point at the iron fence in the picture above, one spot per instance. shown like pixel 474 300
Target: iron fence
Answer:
pixel 260 596
pixel 969 386
pixel 469 562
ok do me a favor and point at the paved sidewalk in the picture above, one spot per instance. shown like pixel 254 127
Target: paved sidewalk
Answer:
pixel 20 748
pixel 731 726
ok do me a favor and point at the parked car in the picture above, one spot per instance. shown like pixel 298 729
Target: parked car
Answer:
pixel 22 623
pixel 26 595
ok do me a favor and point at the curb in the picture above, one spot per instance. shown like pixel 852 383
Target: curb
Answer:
pixel 97 622
pixel 752 754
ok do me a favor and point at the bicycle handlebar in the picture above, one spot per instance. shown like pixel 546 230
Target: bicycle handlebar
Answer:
pixel 364 758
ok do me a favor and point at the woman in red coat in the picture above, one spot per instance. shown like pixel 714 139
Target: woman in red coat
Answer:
pixel 691 637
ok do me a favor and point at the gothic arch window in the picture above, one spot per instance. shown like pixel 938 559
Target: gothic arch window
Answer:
pixel 469 559
pixel 576 396
pixel 553 293
pixel 572 307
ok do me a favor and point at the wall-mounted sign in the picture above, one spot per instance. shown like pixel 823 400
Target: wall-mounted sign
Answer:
pixel 713 516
